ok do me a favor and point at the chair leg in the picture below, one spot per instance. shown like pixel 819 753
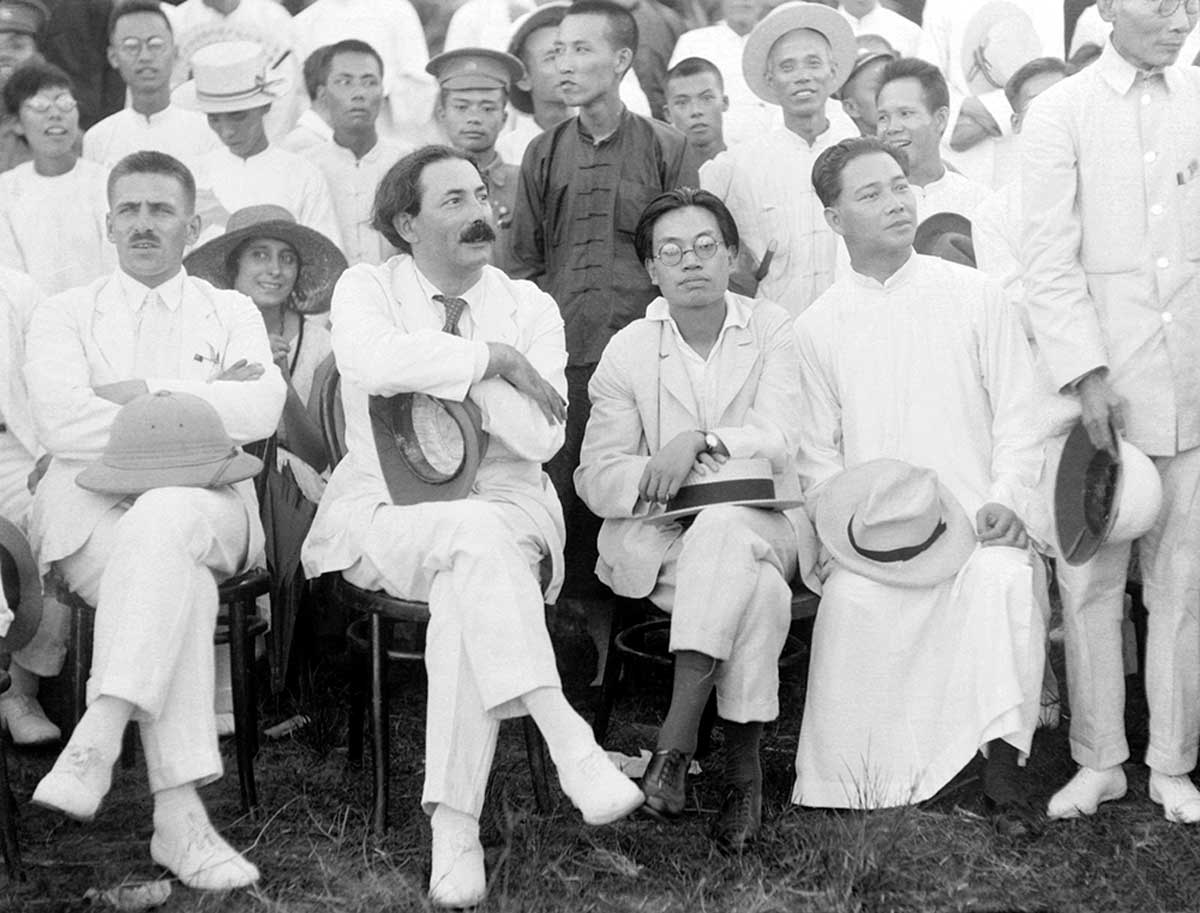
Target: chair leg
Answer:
pixel 380 720
pixel 129 746
pixel 82 629
pixel 535 748
pixel 245 718
pixel 360 686
pixel 8 821
pixel 613 667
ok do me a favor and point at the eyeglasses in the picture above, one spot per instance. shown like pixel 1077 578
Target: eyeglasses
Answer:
pixel 705 248
pixel 1168 7
pixel 38 104
pixel 132 47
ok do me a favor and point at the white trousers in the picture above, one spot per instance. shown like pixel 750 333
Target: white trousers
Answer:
pixel 151 570
pixel 725 583
pixel 475 562
pixel 1093 609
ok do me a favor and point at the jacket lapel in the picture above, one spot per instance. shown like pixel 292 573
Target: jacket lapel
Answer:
pixel 672 375
pixel 113 331
pixel 735 362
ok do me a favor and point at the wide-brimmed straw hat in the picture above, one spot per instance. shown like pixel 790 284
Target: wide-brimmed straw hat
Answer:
pixel 429 449
pixel 737 483
pixel 1099 499
pixel 788 18
pixel 895 523
pixel 164 440
pixel 230 76
pixel 947 235
pixel 999 39
pixel 20 578
pixel 321 262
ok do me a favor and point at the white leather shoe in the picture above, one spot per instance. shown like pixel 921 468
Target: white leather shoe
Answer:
pixel 1086 790
pixel 598 789
pixel 1177 795
pixel 76 784
pixel 26 722
pixel 456 873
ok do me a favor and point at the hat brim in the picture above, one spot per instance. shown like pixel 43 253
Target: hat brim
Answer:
pixel 391 426
pixel 277 87
pixel 1077 541
pixel 321 262
pixel 763 503
pixel 860 64
pixel 28 612
pixel 940 562
pixel 978 26
pixel 789 18
pixel 548 15
pixel 105 479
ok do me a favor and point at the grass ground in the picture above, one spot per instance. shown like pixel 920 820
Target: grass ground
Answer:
pixel 312 844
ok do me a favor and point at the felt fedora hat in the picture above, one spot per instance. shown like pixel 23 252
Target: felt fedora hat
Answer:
pixel 946 235
pixel 546 16
pixel 895 523
pixel 738 483
pixel 321 262
pixel 1099 499
pixel 167 439
pixel 429 449
pixel 789 17
pixel 22 588
pixel 999 39
pixel 230 76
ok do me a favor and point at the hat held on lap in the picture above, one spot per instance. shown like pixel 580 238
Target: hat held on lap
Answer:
pixel 167 439
pixel 895 523
pixel 737 483
pixel 22 589
pixel 1098 499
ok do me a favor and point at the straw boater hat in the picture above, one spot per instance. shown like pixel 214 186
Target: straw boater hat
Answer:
pixel 999 39
pixel 1098 499
pixel 321 262
pixel 788 18
pixel 231 76
pixel 475 68
pixel 22 588
pixel 946 235
pixel 548 15
pixel 895 523
pixel 28 17
pixel 738 483
pixel 167 439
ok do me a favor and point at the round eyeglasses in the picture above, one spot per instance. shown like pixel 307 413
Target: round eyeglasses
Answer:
pixel 705 248
pixel 132 47
pixel 1168 7
pixel 39 104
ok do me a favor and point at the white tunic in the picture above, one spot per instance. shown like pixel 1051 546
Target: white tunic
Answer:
pixel 906 684
pixel 767 185
pixel 310 130
pixel 902 33
pixel 52 228
pixel 175 131
pixel 353 183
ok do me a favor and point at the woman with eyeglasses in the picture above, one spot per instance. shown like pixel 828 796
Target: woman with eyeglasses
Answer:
pixel 52 208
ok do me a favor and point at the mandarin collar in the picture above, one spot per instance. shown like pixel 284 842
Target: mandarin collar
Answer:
pixel 898 279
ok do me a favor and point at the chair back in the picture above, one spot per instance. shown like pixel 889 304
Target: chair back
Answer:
pixel 333 416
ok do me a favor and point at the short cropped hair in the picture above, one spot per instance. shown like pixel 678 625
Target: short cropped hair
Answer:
pixel 1039 66
pixel 128 7
pixel 681 198
pixel 827 171
pixel 622 27
pixel 695 66
pixel 934 90
pixel 29 79
pixel 400 191
pixel 150 162
pixel 347 46
pixel 315 64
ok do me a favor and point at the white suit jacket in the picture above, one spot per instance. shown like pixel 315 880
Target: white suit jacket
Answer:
pixel 642 398
pixel 388 339
pixel 19 298
pixel 84 338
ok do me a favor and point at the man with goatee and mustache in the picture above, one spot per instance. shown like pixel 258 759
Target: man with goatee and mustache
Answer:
pixel 439 320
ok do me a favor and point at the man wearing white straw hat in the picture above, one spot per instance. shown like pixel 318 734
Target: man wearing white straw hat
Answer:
pixel 232 85
pixel 149 560
pixel 796 57
pixel 929 645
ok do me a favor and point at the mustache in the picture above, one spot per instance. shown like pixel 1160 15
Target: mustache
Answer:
pixel 477 232
pixel 143 236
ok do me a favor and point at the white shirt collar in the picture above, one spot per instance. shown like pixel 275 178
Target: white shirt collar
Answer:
pixel 472 296
pixel 900 277
pixel 737 313
pixel 134 292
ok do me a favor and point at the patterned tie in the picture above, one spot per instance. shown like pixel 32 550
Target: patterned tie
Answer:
pixel 454 308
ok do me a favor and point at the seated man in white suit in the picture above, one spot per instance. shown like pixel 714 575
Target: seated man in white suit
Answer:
pixel 706 375
pixel 438 320
pixel 149 565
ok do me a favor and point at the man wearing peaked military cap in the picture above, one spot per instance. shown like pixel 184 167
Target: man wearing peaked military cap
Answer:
pixel 474 85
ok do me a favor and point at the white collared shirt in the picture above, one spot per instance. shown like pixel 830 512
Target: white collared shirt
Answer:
pixel 157 321
pixel 475 297
pixel 175 131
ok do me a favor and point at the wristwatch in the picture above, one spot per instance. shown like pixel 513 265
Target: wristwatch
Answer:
pixel 711 442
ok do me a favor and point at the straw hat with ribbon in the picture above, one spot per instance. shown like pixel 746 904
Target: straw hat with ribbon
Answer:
pixel 167 439
pixel 999 39
pixel 231 76
pixel 321 262
pixel 895 523
pixel 737 483
pixel 788 18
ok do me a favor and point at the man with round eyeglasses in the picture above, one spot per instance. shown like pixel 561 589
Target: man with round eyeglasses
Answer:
pixel 705 377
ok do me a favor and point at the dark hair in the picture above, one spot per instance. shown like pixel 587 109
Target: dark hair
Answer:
pixel 682 198
pixel 827 171
pixel 1086 55
pixel 348 46
pixel 1039 66
pixel 695 66
pixel 150 162
pixel 315 64
pixel 622 27
pixel 128 7
pixel 933 83
pixel 400 191
pixel 29 79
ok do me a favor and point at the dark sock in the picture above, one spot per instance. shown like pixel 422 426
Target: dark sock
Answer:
pixel 742 763
pixel 1002 773
pixel 695 674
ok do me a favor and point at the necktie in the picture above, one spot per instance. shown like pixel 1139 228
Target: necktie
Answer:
pixel 454 308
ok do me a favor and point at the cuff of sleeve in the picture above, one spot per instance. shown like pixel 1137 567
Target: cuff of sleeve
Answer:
pixel 482 357
pixel 1004 491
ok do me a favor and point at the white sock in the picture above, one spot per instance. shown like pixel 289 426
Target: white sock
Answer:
pixel 185 842
pixel 102 726
pixel 567 736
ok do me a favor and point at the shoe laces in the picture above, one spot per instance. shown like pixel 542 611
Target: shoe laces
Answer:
pixel 673 767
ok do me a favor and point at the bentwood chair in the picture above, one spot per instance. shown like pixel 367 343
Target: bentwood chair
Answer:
pixel 371 635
